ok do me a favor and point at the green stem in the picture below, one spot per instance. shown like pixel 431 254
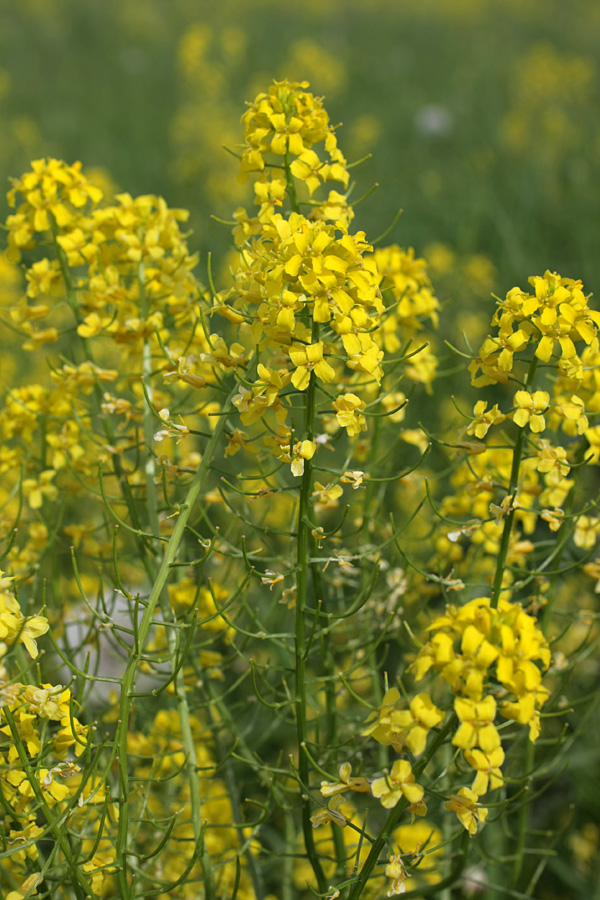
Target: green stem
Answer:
pixel 392 820
pixel 303 563
pixel 81 886
pixel 290 184
pixel 303 539
pixel 376 691
pixel 566 532
pixel 173 635
pixel 106 425
pixel 512 488
pixel 523 820
pixel 129 679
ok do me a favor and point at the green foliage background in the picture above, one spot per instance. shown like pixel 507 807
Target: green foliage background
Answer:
pixel 510 172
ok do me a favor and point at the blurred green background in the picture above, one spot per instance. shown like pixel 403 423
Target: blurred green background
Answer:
pixel 481 114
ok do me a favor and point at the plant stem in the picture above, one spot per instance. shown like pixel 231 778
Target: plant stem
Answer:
pixel 392 820
pixel 303 563
pixel 371 487
pixel 173 635
pixel 303 541
pixel 129 678
pixel 81 886
pixel 512 488
pixel 566 531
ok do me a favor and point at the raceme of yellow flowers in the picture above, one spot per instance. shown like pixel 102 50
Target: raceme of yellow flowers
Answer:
pixel 106 457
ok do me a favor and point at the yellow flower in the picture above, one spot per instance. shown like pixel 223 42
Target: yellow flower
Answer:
pixel 349 409
pixel 465 805
pixel 524 711
pixel 400 782
pixel 572 411
pixel 27 889
pixel 302 450
pixel 335 811
pixel 425 837
pixel 13 624
pixel 307 359
pixel 326 496
pixel 489 774
pixel 483 420
pixel 477 727
pixel 404 727
pixel 587 529
pixel 554 517
pixel 530 409
pixel 354 478
pixel 346 782
pixel 395 870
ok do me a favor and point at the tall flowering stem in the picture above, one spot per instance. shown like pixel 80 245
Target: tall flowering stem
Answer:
pixel 303 541
pixel 512 489
pixel 303 552
pixel 379 844
pixel 129 680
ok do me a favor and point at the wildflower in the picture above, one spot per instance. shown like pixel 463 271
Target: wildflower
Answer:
pixel 346 782
pixel 404 727
pixel 484 420
pixel 99 868
pixel 466 806
pixel 271 578
pixel 525 712
pixel 36 490
pixel 552 462
pixel 476 728
pixel 302 450
pixel 488 767
pixel 530 409
pixel 504 509
pixel 592 436
pixel 587 530
pixel 306 359
pixel 572 411
pixel 554 518
pixel 13 624
pixel 400 782
pixel 326 496
pixel 395 870
pixel 349 409
pixel 235 442
pixel 354 478
pixel 171 428
pixel 27 889
pixel 338 810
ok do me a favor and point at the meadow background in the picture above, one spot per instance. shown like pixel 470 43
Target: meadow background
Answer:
pixel 481 114
pixel 482 117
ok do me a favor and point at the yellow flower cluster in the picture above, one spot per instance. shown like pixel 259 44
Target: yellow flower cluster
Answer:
pixel 159 754
pixel 399 727
pixel 289 121
pixel 54 195
pixel 306 292
pixel 129 261
pixel 485 653
pixel 495 484
pixel 412 299
pixel 15 628
pixel 39 736
pixel 127 274
pixel 556 314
